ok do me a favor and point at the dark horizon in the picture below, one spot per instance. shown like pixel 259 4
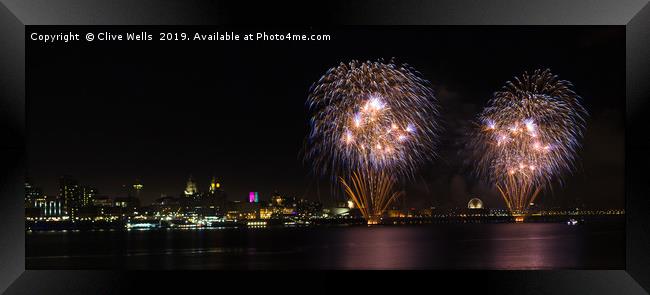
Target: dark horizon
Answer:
pixel 110 113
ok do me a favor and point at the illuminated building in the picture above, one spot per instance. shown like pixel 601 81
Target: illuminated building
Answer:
pixel 214 186
pixel 266 213
pixel 276 205
pixel 238 210
pixel 426 212
pixel 49 207
pixel 307 209
pixel 88 194
pixel 276 199
pixel 71 194
pixel 280 207
pixel 31 194
pixel 253 197
pixel 215 199
pixel 475 203
pixel 190 188
pixel 395 213
pixel 127 202
pixel 214 202
pixel 475 208
pixel 341 210
pixel 102 201
pixel 137 189
pixel 256 224
pixel 288 211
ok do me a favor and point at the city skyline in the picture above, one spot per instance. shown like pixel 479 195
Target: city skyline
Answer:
pixel 128 190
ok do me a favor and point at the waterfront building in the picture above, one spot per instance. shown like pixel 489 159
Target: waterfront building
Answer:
pixel 32 193
pixel 190 188
pixel 88 195
pixel 49 207
pixel 102 201
pixel 70 192
pixel 475 203
pixel 136 189
pixel 127 202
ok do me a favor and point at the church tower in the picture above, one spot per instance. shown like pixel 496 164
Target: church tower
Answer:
pixel 190 188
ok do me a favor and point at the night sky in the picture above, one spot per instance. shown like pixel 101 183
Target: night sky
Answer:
pixel 110 112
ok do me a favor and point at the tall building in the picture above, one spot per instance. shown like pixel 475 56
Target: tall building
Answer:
pixel 216 198
pixel 32 194
pixel 89 194
pixel 190 188
pixel 71 194
pixel 137 189
pixel 253 197
pixel 215 186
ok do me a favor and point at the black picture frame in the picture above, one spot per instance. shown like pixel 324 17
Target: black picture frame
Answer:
pixel 15 15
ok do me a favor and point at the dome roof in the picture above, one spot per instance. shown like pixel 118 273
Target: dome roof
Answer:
pixel 475 203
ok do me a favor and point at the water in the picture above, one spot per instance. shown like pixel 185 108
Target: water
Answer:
pixel 443 246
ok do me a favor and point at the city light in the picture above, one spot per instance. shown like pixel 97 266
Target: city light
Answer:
pixel 211 210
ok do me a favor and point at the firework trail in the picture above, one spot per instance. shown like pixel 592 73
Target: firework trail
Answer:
pixel 372 193
pixel 372 122
pixel 527 136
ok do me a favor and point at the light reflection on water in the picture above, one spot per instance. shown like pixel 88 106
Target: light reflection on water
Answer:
pixel 451 246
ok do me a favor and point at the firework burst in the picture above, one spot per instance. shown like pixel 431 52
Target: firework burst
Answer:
pixel 373 119
pixel 371 116
pixel 527 136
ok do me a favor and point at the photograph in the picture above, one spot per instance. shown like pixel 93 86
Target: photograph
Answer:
pixel 325 148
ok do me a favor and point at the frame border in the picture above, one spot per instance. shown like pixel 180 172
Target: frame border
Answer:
pixel 16 14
